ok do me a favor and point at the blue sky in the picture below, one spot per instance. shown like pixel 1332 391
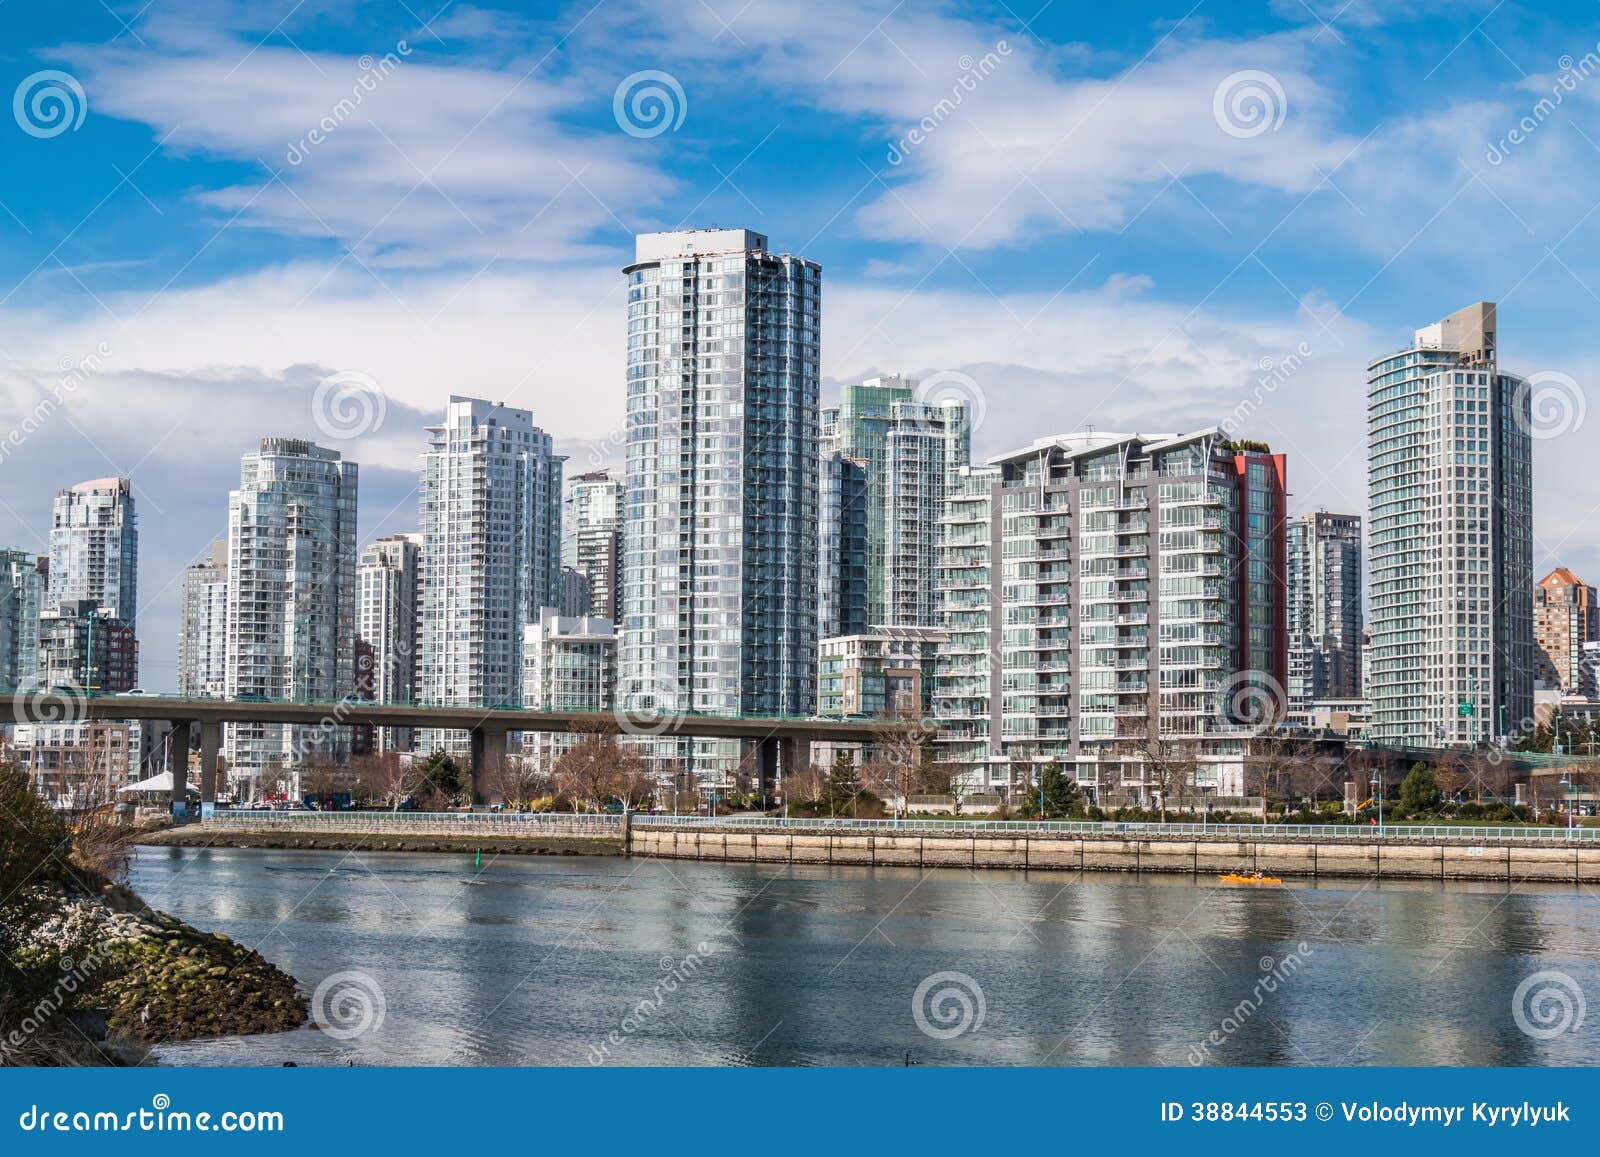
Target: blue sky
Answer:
pixel 1093 233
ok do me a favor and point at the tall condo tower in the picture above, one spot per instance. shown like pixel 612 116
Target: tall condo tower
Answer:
pixel 491 552
pixel 591 543
pixel 719 540
pixel 291 599
pixel 1450 538
pixel 1325 617
pixel 910 449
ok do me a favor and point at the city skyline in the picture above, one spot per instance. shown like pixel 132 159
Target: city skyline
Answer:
pixel 1148 297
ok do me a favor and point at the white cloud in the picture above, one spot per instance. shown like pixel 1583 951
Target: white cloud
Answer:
pixel 1033 141
pixel 397 157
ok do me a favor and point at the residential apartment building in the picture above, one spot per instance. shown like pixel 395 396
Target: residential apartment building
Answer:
pixel 1450 558
pixel 23 581
pixel 1113 600
pixel 491 553
pixel 83 762
pixel 388 598
pixel 82 647
pixel 569 664
pixel 591 542
pixel 203 633
pixel 1324 608
pixel 719 539
pixel 94 548
pixel 1566 615
pixel 291 600
pixel 909 450
pixel 841 546
pixel 887 674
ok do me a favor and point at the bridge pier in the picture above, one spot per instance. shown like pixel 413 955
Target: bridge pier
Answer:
pixel 488 757
pixel 210 746
pixel 178 764
pixel 784 757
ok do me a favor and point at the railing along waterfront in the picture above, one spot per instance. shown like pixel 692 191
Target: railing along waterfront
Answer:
pixel 529 823
pixel 1453 833
pixel 497 823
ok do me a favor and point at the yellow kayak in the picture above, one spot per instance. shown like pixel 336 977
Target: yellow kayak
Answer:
pixel 1255 878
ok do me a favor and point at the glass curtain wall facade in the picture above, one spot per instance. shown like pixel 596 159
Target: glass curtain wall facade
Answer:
pixel 291 600
pixel 1325 618
pixel 1099 585
pixel 491 554
pixel 720 535
pixel 1450 551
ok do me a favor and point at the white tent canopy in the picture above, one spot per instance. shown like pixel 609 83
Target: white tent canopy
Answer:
pixel 159 783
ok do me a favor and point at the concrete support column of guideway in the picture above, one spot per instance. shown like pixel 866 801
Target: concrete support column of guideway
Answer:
pixel 210 746
pixel 488 757
pixel 788 756
pixel 178 763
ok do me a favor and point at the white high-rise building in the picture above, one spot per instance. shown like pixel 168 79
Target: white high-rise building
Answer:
pixel 291 599
pixel 591 542
pixel 568 664
pixel 720 570
pixel 387 599
pixel 94 549
pixel 203 635
pixel 1450 538
pixel 491 553
pixel 1105 595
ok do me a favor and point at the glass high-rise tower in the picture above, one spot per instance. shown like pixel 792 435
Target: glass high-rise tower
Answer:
pixel 491 552
pixel 1450 538
pixel 1325 621
pixel 909 449
pixel 291 598
pixel 592 539
pixel 720 572
pixel 203 635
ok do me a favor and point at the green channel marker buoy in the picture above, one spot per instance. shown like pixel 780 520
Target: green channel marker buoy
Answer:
pixel 478 862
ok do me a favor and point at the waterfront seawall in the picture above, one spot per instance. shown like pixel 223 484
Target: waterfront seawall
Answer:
pixel 1504 861
pixel 1506 857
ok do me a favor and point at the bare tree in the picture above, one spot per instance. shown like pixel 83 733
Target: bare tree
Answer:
pixel 587 771
pixel 1169 763
pixel 518 781
pixel 390 780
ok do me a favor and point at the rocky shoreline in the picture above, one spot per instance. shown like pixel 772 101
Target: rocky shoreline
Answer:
pixel 153 977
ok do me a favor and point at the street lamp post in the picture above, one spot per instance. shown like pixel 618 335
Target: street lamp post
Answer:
pixel 1571 788
pixel 1377 793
